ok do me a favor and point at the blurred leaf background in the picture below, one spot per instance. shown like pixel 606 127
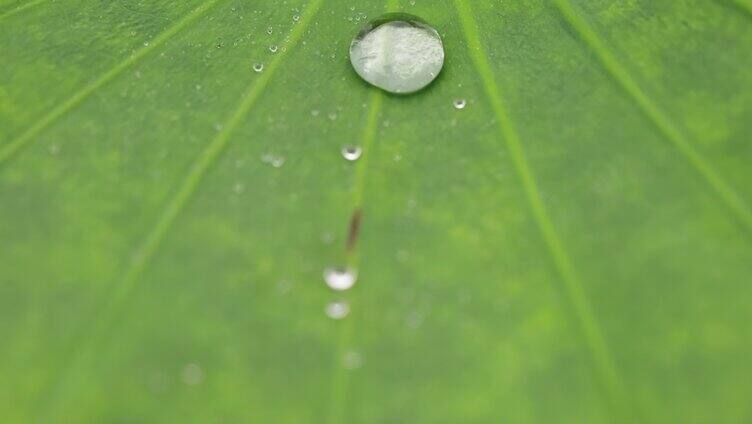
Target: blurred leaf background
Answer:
pixel 574 246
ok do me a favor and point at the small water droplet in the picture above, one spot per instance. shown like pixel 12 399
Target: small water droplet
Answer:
pixel 351 153
pixel 270 30
pixel 284 286
pixel 273 49
pixel 273 160
pixel 333 116
pixel 353 360
pixel 460 104
pixel 414 320
pixel 258 67
pixel 296 18
pixel 337 310
pixel 192 375
pixel 340 279
pixel 398 53
pixel 315 112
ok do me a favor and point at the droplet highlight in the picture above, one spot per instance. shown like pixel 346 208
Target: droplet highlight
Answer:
pixel 398 53
pixel 460 104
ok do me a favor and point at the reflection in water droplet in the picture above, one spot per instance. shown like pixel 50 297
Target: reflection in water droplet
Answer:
pixel 337 310
pixel 258 67
pixel 460 104
pixel 351 153
pixel 192 375
pixel 340 279
pixel 398 53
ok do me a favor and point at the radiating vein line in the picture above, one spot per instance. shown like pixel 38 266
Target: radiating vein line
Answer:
pixel 149 246
pixel 604 364
pixel 340 381
pixel 745 5
pixel 21 8
pixel 341 376
pixel 662 121
pixel 207 158
pixel 11 148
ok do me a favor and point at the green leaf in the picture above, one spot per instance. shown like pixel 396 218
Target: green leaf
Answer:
pixel 573 246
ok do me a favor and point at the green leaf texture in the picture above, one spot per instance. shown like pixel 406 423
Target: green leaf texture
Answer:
pixel 574 246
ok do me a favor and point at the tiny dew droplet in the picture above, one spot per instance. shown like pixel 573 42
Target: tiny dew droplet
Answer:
pixel 273 48
pixel 460 104
pixel 352 153
pixel 398 52
pixel 192 375
pixel 273 160
pixel 296 18
pixel 258 67
pixel 340 279
pixel 353 360
pixel 337 310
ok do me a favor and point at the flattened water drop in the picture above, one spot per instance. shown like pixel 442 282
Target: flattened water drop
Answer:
pixel 398 53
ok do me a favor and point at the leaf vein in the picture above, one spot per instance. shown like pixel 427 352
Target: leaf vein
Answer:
pixel 661 120
pixel 149 246
pixel 9 150
pixel 573 287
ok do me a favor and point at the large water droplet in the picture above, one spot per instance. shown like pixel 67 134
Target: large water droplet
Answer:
pixel 398 53
pixel 340 279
